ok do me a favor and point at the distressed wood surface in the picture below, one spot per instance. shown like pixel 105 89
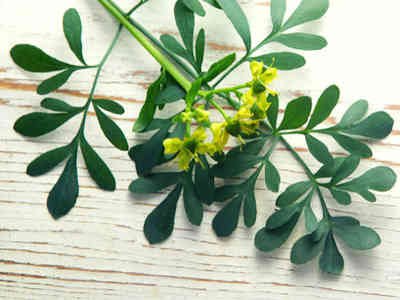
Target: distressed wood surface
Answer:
pixel 99 251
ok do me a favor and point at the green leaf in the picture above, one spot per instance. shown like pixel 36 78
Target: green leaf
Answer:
pixel 282 216
pixel 38 124
pixel 235 165
pixel 226 221
pixel 278 10
pixel 73 32
pixel 213 3
pixel 226 192
pixel 146 156
pixel 55 82
pixel 194 89
pixel 349 165
pixel 302 41
pixel 62 197
pixel 310 218
pixel 148 110
pixel 329 170
pixel 193 206
pixel 322 230
pixel 110 105
pixel 352 145
pixel 170 91
pixel 111 130
pixel 200 47
pixel 97 168
pixel 272 177
pixel 171 44
pixel 48 161
pixel 293 193
pixel 273 111
pixel 325 106
pixel 154 183
pixel 204 182
pixel 380 179
pixel 239 20
pixel 319 150
pixel 296 113
pixel 219 67
pixel 341 197
pixel 357 237
pixel 195 6
pixel 305 249
pixel 307 11
pixel 331 261
pixel 160 223
pixel 268 240
pixel 344 220
pixel 355 113
pixel 184 19
pixel 377 126
pixel 249 208
pixel 33 59
pixel 253 148
pixel 282 60
pixel 59 106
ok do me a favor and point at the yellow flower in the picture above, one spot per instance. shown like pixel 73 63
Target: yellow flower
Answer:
pixel 262 77
pixel 221 136
pixel 186 116
pixel 189 148
pixel 201 115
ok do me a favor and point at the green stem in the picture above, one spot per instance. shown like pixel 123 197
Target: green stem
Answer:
pixel 225 90
pixel 96 78
pixel 310 176
pixel 158 54
pixel 219 108
pixel 244 58
pixel 299 159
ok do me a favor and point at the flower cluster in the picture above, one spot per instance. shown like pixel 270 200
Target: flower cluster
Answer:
pixel 245 123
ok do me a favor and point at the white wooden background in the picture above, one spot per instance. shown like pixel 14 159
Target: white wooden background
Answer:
pixel 99 251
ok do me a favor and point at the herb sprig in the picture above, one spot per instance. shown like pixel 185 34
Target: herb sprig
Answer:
pixel 183 137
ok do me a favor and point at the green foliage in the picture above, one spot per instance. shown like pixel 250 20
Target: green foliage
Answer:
pixel 239 20
pixel 182 78
pixel 282 60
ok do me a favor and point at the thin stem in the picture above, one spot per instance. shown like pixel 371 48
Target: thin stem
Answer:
pixel 310 176
pixel 298 158
pixel 219 108
pixel 244 58
pixel 97 76
pixel 225 90
pixel 157 53
pixel 137 6
pixel 325 210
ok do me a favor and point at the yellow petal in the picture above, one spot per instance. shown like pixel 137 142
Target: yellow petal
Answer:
pixel 206 148
pixel 243 113
pixel 172 146
pixel 269 75
pixel 256 68
pixel 248 98
pixel 186 117
pixel 199 135
pixel 220 134
pixel 184 158
pixel 201 115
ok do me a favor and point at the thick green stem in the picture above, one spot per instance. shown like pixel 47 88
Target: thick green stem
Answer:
pixel 147 44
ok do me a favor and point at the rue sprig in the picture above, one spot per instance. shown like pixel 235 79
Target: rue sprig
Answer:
pixel 194 145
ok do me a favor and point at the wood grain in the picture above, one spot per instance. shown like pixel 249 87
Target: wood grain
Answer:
pixel 99 251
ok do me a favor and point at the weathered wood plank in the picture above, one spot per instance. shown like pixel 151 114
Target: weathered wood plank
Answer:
pixel 99 251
